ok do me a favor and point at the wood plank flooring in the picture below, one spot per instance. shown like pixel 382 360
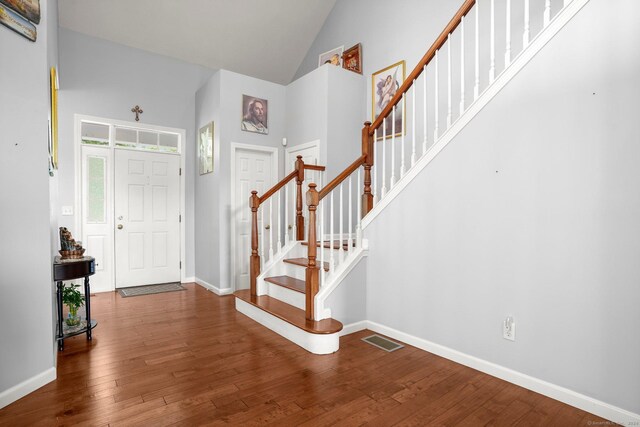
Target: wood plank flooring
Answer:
pixel 189 358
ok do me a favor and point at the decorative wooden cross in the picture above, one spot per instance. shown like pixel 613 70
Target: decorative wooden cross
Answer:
pixel 138 111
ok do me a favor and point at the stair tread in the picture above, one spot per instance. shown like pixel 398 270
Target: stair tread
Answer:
pixel 303 262
pixel 288 282
pixel 336 244
pixel 290 314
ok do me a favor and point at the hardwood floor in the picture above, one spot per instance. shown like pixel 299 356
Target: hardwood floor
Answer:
pixel 189 358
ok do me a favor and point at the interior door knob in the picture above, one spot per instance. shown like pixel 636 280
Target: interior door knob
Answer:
pixel 266 227
pixel 120 226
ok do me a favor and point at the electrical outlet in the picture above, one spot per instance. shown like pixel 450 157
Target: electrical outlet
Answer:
pixel 509 329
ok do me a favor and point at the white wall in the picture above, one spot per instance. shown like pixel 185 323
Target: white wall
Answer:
pixel 104 79
pixel 532 212
pixel 221 100
pixel 26 355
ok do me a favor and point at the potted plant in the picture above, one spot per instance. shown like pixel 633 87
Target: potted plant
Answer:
pixel 72 298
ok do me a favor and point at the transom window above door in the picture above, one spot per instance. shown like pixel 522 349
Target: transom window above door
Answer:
pixel 142 139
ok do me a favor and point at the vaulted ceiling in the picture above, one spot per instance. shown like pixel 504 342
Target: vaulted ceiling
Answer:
pixel 267 39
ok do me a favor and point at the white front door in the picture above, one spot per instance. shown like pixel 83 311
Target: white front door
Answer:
pixel 253 171
pixel 147 218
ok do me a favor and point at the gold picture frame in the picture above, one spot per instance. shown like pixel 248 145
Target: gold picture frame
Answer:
pixel 53 121
pixel 384 84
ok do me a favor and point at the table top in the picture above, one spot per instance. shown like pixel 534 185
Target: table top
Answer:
pixel 58 260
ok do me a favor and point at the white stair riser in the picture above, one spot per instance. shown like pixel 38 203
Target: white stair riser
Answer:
pixel 314 343
pixel 291 297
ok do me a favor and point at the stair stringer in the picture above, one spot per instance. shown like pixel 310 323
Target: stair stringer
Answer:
pixel 517 64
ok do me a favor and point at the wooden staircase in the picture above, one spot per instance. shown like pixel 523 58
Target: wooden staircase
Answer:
pixel 293 271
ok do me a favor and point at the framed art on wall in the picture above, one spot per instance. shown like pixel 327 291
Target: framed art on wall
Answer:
pixel 53 120
pixel 205 149
pixel 17 23
pixel 333 57
pixel 28 9
pixel 352 59
pixel 384 85
pixel 255 115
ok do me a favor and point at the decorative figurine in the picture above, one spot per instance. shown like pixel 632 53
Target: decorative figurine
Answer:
pixel 70 249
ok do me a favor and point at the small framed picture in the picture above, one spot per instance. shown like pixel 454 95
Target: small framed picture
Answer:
pixel 333 57
pixel 352 59
pixel 255 114
pixel 205 149
pixel 17 23
pixel 384 85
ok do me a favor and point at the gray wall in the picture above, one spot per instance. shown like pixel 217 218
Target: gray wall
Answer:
pixel 104 79
pixel 25 283
pixel 532 212
pixel 221 100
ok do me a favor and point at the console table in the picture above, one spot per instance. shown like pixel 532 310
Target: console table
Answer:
pixel 69 269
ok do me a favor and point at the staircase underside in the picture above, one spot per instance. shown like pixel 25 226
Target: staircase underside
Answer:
pixel 318 337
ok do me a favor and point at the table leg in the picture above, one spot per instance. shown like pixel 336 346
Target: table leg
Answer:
pixel 87 303
pixel 60 333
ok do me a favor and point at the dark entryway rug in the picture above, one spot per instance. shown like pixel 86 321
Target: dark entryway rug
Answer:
pixel 150 289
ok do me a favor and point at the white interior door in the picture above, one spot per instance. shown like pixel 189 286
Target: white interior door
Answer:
pixel 97 226
pixel 253 170
pixel 147 218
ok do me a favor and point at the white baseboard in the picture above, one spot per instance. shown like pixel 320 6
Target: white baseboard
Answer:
pixel 216 290
pixel 190 279
pixel 353 327
pixel 570 397
pixel 25 387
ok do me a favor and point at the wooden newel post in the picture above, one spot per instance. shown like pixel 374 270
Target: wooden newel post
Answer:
pixel 299 181
pixel 312 273
pixel 367 150
pixel 254 264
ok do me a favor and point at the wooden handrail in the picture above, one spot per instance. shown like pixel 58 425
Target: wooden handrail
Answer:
pixel 315 167
pixel 278 186
pixel 345 173
pixel 408 82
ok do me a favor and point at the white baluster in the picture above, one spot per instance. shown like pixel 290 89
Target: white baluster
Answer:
pixel 279 208
pixel 393 148
pixel 413 124
pixel 359 216
pixel 376 160
pixel 286 214
pixel 294 200
pixel 350 217
pixel 341 236
pixel 270 228
pixel 462 65
pixel 507 53
pixel 437 121
pixel 476 87
pixel 261 243
pixel 424 109
pixel 547 12
pixel 322 272
pixel 402 166
pixel 448 80
pixel 492 67
pixel 332 265
pixel 525 35
pixel 383 190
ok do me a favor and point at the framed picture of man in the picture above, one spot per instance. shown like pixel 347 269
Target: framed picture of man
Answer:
pixel 255 115
pixel 205 149
pixel 333 57
pixel 384 85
